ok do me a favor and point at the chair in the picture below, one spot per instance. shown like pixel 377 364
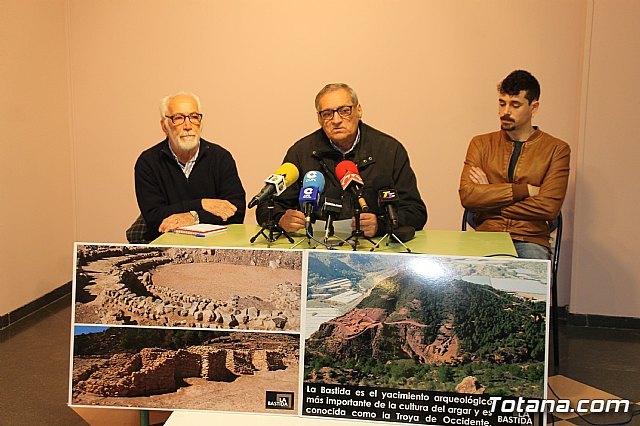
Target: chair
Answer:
pixel 136 232
pixel 555 226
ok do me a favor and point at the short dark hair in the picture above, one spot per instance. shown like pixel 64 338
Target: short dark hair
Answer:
pixel 520 80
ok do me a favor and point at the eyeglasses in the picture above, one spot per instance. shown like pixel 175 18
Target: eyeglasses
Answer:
pixel 343 111
pixel 178 119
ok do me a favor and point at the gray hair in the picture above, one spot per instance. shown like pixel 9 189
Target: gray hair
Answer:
pixel 336 86
pixel 164 102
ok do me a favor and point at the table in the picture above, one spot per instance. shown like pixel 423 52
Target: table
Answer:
pixel 456 243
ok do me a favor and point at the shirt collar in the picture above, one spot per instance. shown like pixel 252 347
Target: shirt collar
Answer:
pixel 352 146
pixel 188 166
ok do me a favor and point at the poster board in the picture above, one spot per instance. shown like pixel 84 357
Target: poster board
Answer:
pixel 356 335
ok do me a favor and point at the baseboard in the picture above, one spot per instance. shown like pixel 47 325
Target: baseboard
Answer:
pixel 605 321
pixel 7 319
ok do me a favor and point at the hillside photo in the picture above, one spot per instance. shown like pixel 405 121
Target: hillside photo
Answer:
pixel 447 324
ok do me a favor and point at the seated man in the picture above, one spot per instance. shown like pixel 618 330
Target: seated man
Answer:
pixel 343 136
pixel 515 180
pixel 185 180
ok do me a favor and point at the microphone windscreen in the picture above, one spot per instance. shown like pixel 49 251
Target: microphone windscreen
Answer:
pixel 346 166
pixel 405 233
pixel 309 194
pixel 290 173
pixel 314 179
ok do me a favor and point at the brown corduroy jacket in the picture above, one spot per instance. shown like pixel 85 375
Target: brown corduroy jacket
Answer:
pixel 507 207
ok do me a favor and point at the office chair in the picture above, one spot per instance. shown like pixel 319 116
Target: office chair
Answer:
pixel 555 226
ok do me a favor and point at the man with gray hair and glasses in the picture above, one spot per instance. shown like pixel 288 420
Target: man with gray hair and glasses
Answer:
pixel 343 136
pixel 185 180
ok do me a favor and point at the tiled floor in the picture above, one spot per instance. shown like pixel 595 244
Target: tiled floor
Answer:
pixel 34 365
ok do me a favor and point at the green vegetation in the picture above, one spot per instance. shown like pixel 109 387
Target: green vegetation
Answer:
pixel 133 339
pixel 501 339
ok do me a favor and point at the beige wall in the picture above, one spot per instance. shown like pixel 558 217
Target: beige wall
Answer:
pixel 36 214
pixel 425 71
pixel 605 244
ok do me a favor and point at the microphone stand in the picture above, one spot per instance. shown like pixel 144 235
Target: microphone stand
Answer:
pixel 329 232
pixel 357 232
pixel 389 235
pixel 274 230
pixel 309 233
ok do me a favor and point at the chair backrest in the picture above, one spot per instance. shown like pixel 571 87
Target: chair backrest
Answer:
pixel 136 232
pixel 556 226
pixel 467 218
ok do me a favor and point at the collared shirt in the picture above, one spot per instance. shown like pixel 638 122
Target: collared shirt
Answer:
pixel 352 146
pixel 188 166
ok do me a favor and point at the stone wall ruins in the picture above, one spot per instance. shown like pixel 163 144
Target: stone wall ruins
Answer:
pixel 134 299
pixel 155 371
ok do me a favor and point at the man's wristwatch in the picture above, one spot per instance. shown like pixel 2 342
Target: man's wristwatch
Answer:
pixel 195 216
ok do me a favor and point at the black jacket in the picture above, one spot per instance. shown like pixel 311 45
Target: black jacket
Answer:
pixel 162 188
pixel 376 154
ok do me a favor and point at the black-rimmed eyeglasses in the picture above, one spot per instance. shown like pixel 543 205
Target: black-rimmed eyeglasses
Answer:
pixel 178 119
pixel 343 111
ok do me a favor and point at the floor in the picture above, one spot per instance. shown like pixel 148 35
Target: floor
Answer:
pixel 34 364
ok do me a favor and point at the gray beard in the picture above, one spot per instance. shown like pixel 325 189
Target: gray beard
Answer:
pixel 187 146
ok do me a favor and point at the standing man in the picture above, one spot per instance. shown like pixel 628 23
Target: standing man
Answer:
pixel 343 136
pixel 515 180
pixel 185 180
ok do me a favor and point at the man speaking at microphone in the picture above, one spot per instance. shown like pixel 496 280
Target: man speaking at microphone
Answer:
pixel 185 180
pixel 343 136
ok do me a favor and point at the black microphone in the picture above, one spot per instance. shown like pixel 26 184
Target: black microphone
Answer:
pixel 387 198
pixel 331 208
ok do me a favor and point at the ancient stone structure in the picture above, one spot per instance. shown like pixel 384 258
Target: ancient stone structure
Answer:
pixel 135 299
pixel 155 371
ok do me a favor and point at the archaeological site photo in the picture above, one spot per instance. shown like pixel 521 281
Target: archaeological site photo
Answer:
pixel 164 368
pixel 233 289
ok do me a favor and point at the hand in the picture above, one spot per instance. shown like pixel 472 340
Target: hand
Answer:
pixel 368 224
pixel 176 221
pixel 533 190
pixel 477 175
pixel 221 208
pixel 292 220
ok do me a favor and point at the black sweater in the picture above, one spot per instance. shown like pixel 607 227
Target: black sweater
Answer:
pixel 162 188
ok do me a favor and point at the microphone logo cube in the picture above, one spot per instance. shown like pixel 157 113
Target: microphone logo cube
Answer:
pixel 278 182
pixel 388 195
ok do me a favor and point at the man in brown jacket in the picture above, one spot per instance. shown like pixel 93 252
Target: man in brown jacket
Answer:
pixel 515 180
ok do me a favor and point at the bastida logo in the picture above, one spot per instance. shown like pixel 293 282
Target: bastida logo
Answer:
pixel 279 400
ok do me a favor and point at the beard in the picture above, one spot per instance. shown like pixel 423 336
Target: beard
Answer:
pixel 511 125
pixel 186 141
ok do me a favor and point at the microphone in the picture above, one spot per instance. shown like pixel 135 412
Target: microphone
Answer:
pixel 387 198
pixel 276 183
pixel 349 176
pixel 331 207
pixel 309 198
